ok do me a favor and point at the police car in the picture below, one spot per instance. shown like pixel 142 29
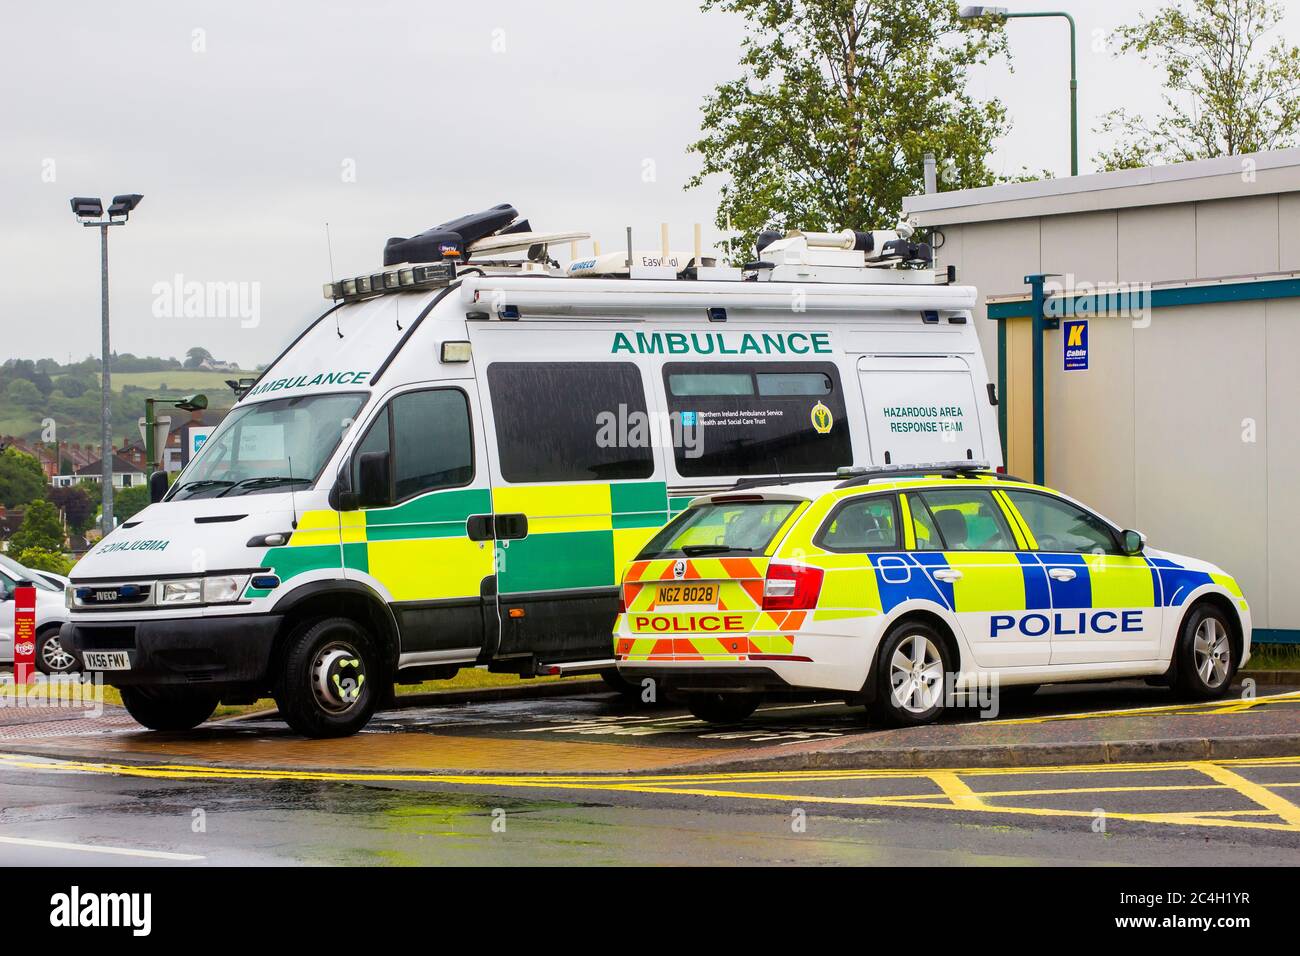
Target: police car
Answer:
pixel 900 588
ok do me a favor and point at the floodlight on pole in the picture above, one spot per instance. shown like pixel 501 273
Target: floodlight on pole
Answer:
pixel 89 211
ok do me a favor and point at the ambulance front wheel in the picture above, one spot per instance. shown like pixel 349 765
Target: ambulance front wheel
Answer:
pixel 330 680
pixel 722 708
pixel 909 675
pixel 1206 659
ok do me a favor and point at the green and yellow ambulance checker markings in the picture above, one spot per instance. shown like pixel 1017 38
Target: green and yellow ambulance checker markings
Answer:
pixel 578 536
pixel 1250 793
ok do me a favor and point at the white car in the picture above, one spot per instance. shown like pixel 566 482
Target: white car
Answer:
pixel 51 614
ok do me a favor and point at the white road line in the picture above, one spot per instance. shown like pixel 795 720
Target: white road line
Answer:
pixel 91 848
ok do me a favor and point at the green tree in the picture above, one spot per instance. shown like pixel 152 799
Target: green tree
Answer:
pixel 38 559
pixel 40 529
pixel 21 478
pixel 76 504
pixel 194 357
pixel 1227 91
pixel 22 392
pixel 128 501
pixel 836 105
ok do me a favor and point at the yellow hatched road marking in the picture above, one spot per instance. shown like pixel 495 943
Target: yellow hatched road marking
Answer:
pixel 1211 707
pixel 952 790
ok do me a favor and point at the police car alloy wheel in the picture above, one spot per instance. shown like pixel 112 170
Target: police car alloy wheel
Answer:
pixel 169 708
pixel 51 656
pixel 1206 654
pixel 910 673
pixel 328 680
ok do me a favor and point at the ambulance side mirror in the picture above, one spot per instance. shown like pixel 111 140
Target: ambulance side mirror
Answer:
pixel 157 486
pixel 342 497
pixel 373 479
pixel 1132 542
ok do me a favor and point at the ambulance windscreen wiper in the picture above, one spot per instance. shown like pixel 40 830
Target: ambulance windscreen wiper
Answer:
pixel 194 486
pixel 265 480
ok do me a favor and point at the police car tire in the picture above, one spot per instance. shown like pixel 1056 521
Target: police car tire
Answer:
pixel 168 708
pixel 294 694
pixel 717 708
pixel 1188 682
pixel 883 710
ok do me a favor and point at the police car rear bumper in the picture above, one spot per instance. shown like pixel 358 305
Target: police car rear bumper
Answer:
pixel 204 650
pixel 707 679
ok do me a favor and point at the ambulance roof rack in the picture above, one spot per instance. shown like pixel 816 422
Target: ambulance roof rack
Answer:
pixel 965 468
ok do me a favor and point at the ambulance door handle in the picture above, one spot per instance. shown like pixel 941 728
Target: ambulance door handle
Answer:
pixel 947 575
pixel 1061 574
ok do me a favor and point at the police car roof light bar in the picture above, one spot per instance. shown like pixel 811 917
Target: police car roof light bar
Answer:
pixel 942 469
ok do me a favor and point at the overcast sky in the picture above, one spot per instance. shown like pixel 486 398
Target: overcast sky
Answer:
pixel 248 125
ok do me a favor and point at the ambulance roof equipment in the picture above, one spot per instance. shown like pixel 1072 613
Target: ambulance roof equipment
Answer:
pixel 438 255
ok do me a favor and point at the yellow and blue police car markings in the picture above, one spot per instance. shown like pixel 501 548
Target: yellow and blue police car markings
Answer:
pixel 1176 581
pixel 1038 593
pixel 904 576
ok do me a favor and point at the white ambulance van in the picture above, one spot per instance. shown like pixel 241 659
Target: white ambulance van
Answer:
pixel 451 466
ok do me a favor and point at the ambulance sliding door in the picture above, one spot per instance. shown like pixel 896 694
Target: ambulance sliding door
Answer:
pixel 920 409
pixel 577 484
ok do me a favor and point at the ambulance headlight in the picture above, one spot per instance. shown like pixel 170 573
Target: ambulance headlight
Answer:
pixel 213 589
pixel 219 589
pixel 187 591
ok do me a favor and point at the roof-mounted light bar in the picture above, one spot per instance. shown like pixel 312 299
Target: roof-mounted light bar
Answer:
pixel 428 276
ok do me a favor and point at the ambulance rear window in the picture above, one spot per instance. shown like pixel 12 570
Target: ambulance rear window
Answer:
pixel 720 528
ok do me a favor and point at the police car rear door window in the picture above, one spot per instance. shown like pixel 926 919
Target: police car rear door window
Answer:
pixel 861 524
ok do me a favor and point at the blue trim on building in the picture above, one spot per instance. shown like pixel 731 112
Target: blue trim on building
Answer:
pixel 1127 302
pixel 1274 635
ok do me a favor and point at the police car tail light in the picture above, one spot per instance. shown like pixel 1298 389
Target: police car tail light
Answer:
pixel 791 587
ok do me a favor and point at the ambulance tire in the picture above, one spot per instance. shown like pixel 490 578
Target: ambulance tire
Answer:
pixel 927 698
pixel 168 708
pixel 330 679
pixel 717 708
pixel 1206 657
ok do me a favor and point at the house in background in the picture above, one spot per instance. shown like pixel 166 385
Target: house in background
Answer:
pixel 126 474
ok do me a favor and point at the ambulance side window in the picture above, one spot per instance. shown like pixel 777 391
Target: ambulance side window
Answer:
pixel 571 421
pixel 756 418
pixel 427 434
pixel 1060 526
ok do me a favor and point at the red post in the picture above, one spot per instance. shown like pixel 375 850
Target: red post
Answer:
pixel 24 632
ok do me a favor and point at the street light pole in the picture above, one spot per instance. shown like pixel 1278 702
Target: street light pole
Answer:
pixel 106 392
pixel 972 13
pixel 90 212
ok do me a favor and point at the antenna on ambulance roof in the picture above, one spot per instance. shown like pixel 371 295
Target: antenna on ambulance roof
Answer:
pixel 329 248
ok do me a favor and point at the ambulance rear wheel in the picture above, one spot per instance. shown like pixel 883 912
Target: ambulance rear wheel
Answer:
pixel 168 708
pixel 722 708
pixel 910 680
pixel 1206 659
pixel 330 681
